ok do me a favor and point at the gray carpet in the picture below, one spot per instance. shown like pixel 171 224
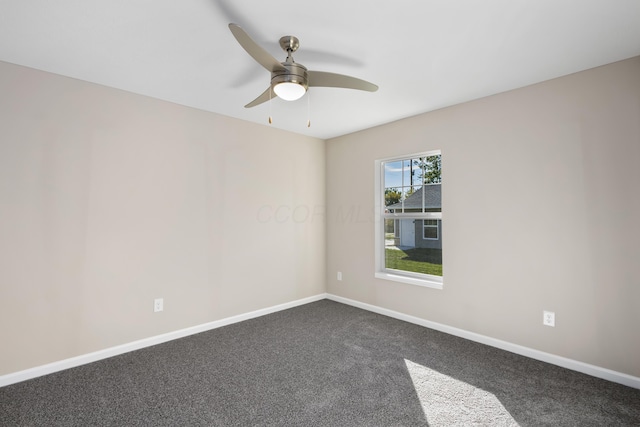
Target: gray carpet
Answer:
pixel 321 364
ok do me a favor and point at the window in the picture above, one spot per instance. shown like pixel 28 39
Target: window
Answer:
pixel 430 229
pixel 409 224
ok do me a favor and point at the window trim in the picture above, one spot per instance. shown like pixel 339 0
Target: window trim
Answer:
pixel 419 279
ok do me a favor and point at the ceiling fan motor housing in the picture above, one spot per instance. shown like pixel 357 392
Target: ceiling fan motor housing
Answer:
pixel 292 73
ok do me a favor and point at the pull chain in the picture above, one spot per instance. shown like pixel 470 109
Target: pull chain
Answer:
pixel 270 120
pixel 308 109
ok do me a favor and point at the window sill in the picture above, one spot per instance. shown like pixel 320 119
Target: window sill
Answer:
pixel 427 283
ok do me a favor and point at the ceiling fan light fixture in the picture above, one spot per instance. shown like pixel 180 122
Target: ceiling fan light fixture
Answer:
pixel 289 91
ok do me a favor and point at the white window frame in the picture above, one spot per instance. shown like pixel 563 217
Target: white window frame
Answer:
pixel 419 279
pixel 425 226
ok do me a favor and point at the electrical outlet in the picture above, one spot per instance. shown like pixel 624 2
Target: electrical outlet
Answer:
pixel 339 275
pixel 158 305
pixel 548 318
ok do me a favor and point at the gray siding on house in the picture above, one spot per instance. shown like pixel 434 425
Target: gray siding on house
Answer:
pixel 421 242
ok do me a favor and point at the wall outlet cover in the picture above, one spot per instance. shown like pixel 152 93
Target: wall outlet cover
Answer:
pixel 548 318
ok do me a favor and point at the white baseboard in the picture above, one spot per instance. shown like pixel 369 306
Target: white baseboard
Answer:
pixel 61 365
pixel 574 365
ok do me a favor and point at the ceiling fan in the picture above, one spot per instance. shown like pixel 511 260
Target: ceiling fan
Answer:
pixel 290 80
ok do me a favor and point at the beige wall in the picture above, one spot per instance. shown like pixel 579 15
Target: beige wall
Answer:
pixel 109 200
pixel 541 211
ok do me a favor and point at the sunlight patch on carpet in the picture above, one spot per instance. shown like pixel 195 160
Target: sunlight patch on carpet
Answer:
pixel 447 401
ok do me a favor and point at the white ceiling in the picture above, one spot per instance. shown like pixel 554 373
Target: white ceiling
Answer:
pixel 424 54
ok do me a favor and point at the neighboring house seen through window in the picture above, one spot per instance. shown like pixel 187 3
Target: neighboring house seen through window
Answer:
pixel 409 230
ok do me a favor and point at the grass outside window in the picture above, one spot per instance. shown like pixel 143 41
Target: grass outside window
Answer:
pixel 417 260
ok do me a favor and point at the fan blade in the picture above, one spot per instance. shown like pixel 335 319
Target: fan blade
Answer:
pixel 264 97
pixel 259 54
pixel 322 79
